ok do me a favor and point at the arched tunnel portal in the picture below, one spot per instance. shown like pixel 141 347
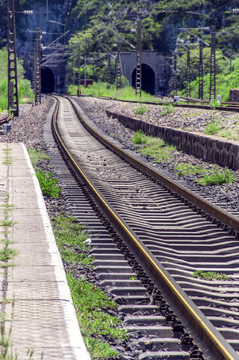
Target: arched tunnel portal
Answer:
pixel 147 79
pixel 47 80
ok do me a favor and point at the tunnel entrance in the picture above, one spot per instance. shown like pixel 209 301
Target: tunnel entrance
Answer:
pixel 148 79
pixel 47 80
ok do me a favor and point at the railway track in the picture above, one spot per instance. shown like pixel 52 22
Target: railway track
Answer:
pixel 189 103
pixel 165 242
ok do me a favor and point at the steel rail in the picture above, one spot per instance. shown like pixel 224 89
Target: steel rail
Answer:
pixel 195 199
pixel 204 328
pixel 193 106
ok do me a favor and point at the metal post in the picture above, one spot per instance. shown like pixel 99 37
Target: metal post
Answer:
pixel 175 75
pixel 37 68
pixel 138 80
pixel 85 73
pixel 188 73
pixel 212 94
pixel 109 70
pixel 200 90
pixel 12 60
pixel 118 80
pixel 78 92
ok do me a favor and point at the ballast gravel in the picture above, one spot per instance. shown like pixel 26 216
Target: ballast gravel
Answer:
pixel 227 194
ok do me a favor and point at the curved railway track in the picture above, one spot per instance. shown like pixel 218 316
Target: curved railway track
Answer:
pixel 166 241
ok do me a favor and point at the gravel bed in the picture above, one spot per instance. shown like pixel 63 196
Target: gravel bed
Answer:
pixel 227 194
pixel 29 130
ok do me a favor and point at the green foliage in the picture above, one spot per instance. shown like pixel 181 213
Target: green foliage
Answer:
pixel 158 149
pixel 212 128
pixel 70 237
pixel 101 89
pixel 48 183
pixel 25 93
pixel 224 79
pixel 210 275
pixel 139 137
pixel 140 109
pixel 217 176
pixel 36 155
pixel 89 301
pixel 168 110
pixel 188 169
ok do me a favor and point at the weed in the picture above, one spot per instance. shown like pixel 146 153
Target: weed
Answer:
pixel 212 128
pixel 192 114
pixel 89 301
pixel 140 109
pixel 187 169
pixel 139 137
pixel 217 177
pixel 37 155
pixel 230 134
pixel 48 183
pixel 5 344
pixel 133 278
pixel 168 110
pixel 70 240
pixel 7 159
pixel 7 254
pixel 7 223
pixel 158 149
pixel 126 93
pixel 210 275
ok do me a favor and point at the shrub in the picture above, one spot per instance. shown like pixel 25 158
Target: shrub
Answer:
pixel 217 177
pixel 139 137
pixel 48 183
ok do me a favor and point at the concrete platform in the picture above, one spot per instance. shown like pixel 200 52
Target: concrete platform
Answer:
pixel 35 298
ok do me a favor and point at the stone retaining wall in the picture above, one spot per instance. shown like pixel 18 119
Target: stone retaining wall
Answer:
pixel 206 147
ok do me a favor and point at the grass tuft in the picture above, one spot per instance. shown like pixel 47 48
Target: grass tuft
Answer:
pixel 48 183
pixel 217 176
pixel 168 110
pixel 187 169
pixel 140 109
pixel 139 137
pixel 158 149
pixel 89 300
pixel 210 275
pixel 212 128
pixel 37 155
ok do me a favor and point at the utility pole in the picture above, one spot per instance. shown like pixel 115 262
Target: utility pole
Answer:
pixel 109 70
pixel 12 60
pixel 37 68
pixel 78 92
pixel 175 74
pixel 200 90
pixel 138 81
pixel 212 93
pixel 118 79
pixel 85 73
pixel 188 73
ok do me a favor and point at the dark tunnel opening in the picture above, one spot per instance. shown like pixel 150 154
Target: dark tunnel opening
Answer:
pixel 47 80
pixel 148 79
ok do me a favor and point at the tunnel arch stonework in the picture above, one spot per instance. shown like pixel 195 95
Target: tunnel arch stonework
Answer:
pixel 153 60
pixel 147 79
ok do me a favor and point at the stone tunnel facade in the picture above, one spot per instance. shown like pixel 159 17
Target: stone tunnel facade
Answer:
pixel 156 71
